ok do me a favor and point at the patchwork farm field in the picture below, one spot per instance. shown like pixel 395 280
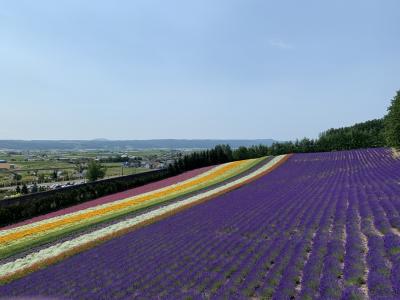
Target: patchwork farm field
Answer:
pixel 306 226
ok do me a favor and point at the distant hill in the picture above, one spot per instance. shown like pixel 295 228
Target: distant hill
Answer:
pixel 100 144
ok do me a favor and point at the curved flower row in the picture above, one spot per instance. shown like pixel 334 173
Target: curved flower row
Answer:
pixel 62 250
pixel 5 232
pixel 114 197
pixel 20 238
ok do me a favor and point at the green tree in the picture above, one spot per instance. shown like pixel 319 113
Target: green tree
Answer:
pixel 80 167
pixel 54 175
pixel 24 189
pixel 17 177
pixel 392 123
pixel 95 171
pixel 41 177
pixel 241 153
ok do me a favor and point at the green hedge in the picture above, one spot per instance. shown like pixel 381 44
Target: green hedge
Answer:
pixel 28 206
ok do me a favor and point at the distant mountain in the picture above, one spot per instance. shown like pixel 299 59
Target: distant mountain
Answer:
pixel 103 144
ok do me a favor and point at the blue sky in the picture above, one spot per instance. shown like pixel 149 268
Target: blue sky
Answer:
pixel 194 69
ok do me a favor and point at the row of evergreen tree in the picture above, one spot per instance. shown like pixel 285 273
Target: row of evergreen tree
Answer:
pixel 371 134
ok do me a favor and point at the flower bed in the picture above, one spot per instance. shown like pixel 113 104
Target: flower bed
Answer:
pixel 60 251
pixel 114 197
pixel 321 226
pixel 18 239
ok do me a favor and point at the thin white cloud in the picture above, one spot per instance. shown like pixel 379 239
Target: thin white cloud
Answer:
pixel 280 44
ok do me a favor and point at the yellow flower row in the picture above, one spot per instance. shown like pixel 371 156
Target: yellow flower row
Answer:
pixel 58 224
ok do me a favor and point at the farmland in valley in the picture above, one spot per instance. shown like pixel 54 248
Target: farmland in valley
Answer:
pixel 306 226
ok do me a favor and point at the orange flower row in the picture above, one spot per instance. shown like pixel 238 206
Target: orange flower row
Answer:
pixel 116 207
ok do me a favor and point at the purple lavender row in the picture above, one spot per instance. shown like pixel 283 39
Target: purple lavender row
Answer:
pixel 333 263
pixel 355 252
pixel 379 283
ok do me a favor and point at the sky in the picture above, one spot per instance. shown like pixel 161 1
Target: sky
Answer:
pixel 230 69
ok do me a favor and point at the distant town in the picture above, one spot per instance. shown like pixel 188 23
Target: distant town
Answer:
pixel 30 166
pixel 23 172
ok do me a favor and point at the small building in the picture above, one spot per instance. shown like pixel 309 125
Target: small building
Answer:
pixel 145 164
pixel 132 164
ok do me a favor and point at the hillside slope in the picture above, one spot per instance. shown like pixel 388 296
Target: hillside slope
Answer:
pixel 322 225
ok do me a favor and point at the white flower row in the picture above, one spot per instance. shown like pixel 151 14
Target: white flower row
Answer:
pixel 53 219
pixel 26 238
pixel 55 250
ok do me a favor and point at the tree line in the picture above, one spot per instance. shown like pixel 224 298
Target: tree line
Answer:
pixel 384 132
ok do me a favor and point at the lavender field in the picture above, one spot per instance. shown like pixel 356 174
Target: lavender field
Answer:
pixel 321 226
